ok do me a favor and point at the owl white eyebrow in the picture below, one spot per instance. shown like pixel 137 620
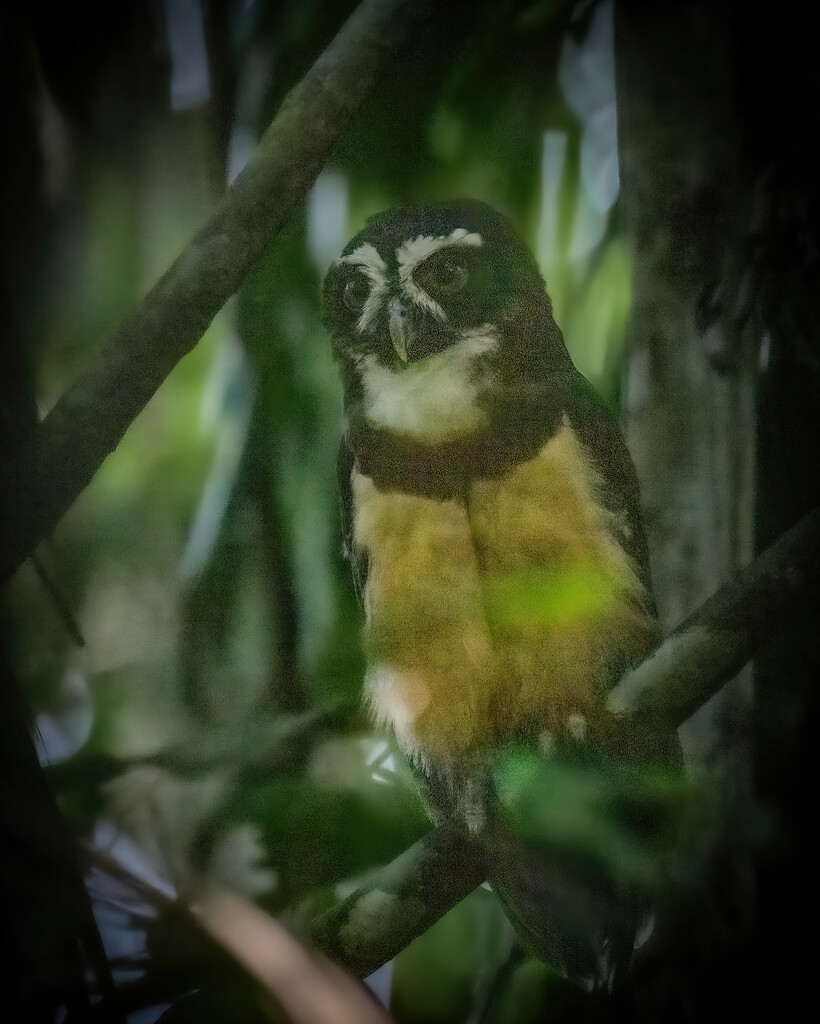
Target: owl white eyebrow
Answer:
pixel 415 251
pixel 367 259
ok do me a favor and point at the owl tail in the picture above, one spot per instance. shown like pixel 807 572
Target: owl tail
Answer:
pixel 578 923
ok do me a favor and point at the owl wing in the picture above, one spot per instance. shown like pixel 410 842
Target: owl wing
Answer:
pixel 356 558
pixel 599 433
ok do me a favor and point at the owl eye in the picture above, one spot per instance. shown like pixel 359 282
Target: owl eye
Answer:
pixel 356 293
pixel 443 276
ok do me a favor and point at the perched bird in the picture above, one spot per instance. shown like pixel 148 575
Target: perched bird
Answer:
pixel 490 511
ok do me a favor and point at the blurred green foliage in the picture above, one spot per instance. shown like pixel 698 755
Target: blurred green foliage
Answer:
pixel 627 822
pixel 450 970
pixel 530 600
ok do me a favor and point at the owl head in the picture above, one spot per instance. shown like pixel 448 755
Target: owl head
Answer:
pixel 427 305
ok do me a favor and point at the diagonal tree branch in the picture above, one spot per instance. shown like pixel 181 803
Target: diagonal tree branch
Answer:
pixel 400 901
pixel 409 895
pixel 717 640
pixel 89 420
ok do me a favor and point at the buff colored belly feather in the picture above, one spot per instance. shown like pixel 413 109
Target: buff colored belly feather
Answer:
pixel 501 615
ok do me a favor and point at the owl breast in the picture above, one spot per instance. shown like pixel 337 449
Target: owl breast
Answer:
pixel 503 612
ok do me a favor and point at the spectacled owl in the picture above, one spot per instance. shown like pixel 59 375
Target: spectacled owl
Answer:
pixel 490 507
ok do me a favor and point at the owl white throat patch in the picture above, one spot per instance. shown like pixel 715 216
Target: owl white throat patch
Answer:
pixel 434 399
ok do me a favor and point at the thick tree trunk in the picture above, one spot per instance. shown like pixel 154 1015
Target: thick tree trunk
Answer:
pixel 718 105
pixel 690 402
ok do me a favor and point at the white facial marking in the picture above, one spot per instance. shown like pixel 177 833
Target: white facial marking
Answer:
pixel 367 259
pixel 420 297
pixel 412 253
pixel 409 255
pixel 415 251
pixel 435 398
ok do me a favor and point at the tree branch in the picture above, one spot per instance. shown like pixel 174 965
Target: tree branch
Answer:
pixel 401 901
pixel 409 895
pixel 717 640
pixel 89 420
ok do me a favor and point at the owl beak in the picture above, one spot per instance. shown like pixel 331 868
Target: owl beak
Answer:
pixel 398 329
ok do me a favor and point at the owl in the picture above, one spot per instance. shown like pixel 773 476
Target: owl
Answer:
pixel 490 511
